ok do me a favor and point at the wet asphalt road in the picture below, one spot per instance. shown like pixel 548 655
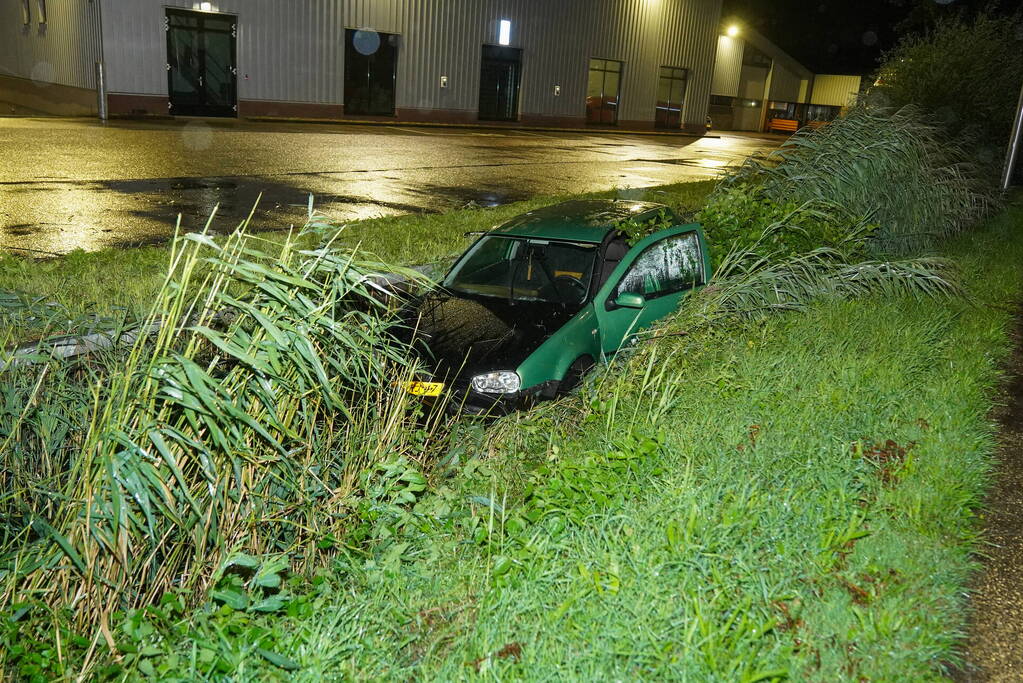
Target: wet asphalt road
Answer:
pixel 77 184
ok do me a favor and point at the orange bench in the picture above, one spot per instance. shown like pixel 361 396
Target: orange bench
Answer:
pixel 783 126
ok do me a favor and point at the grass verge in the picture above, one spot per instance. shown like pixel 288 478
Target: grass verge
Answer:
pixel 799 502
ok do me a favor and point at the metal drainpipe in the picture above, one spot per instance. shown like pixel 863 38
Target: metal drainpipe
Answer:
pixel 101 92
pixel 766 98
pixel 101 80
pixel 1012 156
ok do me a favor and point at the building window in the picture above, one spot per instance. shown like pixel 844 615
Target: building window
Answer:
pixel 26 12
pixel 822 112
pixel 671 94
pixel 721 100
pixel 603 91
pixel 781 110
pixel 41 5
pixel 504 34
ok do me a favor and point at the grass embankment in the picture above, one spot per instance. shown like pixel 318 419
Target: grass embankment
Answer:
pixel 799 501
pixel 244 424
pixel 118 281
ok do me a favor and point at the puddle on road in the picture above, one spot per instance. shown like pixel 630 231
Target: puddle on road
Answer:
pixel 195 199
pixel 451 197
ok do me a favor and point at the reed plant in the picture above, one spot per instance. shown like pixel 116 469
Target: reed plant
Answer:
pixel 887 173
pixel 241 425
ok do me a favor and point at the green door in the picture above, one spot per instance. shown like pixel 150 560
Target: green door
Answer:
pixel 202 78
pixel 649 284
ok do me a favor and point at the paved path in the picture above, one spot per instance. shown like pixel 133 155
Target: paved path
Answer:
pixel 68 183
pixel 995 648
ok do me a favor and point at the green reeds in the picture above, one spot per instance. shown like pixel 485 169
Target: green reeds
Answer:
pixel 241 424
pixel 892 171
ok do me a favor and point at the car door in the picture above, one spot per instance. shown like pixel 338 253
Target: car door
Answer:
pixel 649 283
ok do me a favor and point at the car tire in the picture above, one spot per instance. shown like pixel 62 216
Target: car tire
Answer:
pixel 575 373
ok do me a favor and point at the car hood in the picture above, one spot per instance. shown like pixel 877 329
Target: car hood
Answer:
pixel 465 336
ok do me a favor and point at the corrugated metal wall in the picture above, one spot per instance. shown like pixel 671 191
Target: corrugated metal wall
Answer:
pixel 785 85
pixel 62 51
pixel 293 51
pixel 836 91
pixel 752 80
pixel 728 67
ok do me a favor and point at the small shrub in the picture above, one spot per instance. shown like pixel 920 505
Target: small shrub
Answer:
pixel 965 74
pixel 738 215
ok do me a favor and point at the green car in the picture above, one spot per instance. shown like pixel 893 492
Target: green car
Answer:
pixel 537 301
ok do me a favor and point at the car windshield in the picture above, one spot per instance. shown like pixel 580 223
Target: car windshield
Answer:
pixel 520 269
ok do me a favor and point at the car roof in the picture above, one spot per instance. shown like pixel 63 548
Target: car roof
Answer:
pixel 581 220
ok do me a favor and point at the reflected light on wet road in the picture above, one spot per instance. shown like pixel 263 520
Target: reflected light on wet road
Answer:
pixel 76 184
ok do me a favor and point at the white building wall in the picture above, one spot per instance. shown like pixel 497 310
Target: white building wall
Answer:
pixel 785 85
pixel 728 66
pixel 61 51
pixel 293 51
pixel 752 80
pixel 835 91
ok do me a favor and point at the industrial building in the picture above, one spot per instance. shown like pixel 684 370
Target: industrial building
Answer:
pixel 755 83
pixel 634 64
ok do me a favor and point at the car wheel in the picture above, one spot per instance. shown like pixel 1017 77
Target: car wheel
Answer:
pixel 574 374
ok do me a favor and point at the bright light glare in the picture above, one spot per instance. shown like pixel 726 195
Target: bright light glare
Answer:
pixel 732 31
pixel 206 6
pixel 504 37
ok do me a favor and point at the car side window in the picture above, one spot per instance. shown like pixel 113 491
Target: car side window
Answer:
pixel 668 266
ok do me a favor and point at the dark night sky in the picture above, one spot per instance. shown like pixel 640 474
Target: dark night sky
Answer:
pixel 844 36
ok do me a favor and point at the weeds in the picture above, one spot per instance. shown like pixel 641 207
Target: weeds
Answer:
pixel 241 425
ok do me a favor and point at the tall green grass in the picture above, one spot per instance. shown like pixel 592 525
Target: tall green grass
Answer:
pixel 889 175
pixel 240 426
pixel 713 507
pixel 246 416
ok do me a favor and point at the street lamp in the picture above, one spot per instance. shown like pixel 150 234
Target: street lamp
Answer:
pixel 1014 145
pixel 732 31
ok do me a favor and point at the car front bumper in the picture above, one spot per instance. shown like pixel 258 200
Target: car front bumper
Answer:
pixel 461 398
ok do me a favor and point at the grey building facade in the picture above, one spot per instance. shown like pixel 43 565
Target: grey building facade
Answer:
pixel 626 63
pixel 756 81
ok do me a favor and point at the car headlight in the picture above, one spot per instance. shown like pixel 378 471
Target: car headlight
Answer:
pixel 501 382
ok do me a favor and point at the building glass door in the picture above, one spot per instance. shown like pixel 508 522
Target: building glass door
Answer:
pixel 202 76
pixel 671 95
pixel 371 67
pixel 500 78
pixel 603 91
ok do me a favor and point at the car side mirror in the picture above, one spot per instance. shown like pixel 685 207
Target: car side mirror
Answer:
pixel 630 300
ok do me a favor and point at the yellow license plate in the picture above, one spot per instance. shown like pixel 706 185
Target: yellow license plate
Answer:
pixel 424 388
